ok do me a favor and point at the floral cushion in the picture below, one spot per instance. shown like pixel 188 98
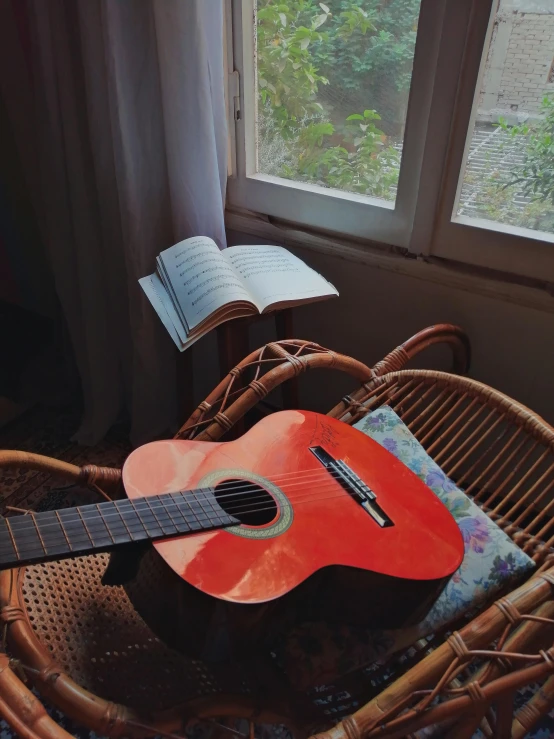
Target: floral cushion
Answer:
pixel 317 652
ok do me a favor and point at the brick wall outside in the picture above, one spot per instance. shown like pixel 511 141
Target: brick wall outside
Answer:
pixel 520 63
pixel 528 64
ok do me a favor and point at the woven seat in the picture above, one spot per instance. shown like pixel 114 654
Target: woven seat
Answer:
pixel 494 448
pixel 95 635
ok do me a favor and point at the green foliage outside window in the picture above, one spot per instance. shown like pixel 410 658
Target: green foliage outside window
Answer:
pixel 536 175
pixel 371 46
pixel 533 179
pixel 295 40
pixel 308 52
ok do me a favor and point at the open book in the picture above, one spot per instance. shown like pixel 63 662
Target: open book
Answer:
pixel 196 287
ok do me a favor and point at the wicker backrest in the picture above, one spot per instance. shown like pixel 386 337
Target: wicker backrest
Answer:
pixel 502 454
pixel 497 450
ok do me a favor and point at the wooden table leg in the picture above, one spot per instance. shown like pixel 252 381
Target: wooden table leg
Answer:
pixel 185 385
pixel 233 346
pixel 284 327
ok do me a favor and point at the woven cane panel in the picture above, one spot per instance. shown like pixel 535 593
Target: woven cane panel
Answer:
pixel 471 436
pixel 497 451
pixel 95 634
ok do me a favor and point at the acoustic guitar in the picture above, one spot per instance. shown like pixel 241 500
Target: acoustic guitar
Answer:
pixel 303 517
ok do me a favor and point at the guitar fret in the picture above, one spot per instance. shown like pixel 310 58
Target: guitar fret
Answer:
pixel 75 529
pixel 22 534
pixel 84 525
pixel 170 528
pixel 38 533
pixel 105 525
pixel 207 507
pixel 114 523
pixel 176 515
pixel 147 518
pixel 10 532
pixel 131 520
pixel 8 552
pixel 26 537
pixel 188 514
pixel 63 531
pixel 52 533
pixel 100 536
pixel 129 534
pixel 197 509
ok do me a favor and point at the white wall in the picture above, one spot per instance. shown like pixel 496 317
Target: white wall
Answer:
pixel 513 346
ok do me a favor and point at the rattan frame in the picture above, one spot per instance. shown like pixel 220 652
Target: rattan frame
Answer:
pixel 518 626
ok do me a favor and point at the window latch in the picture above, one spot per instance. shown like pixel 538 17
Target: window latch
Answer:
pixel 234 92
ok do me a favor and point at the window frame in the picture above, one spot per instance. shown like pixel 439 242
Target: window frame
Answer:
pixel 448 64
pixel 349 214
pixel 476 241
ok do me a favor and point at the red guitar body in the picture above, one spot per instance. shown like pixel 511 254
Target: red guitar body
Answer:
pixel 307 548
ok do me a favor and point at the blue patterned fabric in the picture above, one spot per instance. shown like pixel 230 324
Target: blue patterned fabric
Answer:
pixel 491 559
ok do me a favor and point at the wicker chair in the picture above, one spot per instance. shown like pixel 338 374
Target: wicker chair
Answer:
pixel 77 640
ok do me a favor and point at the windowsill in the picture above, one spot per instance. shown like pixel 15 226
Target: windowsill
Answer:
pixel 327 192
pixel 526 233
pixel 479 280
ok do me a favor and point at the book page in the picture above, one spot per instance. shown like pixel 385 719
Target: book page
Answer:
pixel 200 279
pixel 163 305
pixel 161 302
pixel 271 274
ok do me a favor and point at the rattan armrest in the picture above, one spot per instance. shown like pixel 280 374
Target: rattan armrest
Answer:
pixel 505 635
pixel 104 480
pixel 442 333
pixel 22 711
pixel 255 377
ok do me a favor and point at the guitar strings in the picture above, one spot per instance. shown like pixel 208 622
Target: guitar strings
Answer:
pixel 22 552
pixel 309 475
pixel 161 507
pixel 86 539
pixel 276 478
pixel 246 508
pixel 303 477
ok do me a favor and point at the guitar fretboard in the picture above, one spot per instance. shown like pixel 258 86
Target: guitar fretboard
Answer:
pixel 68 532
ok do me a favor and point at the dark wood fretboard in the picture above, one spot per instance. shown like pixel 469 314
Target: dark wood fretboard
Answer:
pixel 28 539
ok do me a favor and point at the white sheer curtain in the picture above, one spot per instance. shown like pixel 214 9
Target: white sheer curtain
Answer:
pixel 132 158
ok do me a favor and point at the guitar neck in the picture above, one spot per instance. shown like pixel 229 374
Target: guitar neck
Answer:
pixel 69 532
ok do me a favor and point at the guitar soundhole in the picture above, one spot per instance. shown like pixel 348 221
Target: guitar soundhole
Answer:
pixel 245 500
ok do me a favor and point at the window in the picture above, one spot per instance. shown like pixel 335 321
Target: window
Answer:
pixel 425 124
pixel 333 92
pixel 328 133
pixel 513 123
pixel 498 201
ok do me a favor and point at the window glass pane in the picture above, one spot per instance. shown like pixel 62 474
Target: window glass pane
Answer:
pixel 333 80
pixel 509 169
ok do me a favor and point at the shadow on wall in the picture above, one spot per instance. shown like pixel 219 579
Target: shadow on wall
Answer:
pixel 379 309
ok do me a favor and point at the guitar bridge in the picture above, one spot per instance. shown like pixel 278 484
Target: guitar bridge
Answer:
pixel 354 485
